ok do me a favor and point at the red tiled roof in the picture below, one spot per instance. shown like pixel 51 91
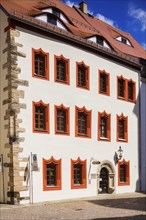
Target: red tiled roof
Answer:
pixel 82 25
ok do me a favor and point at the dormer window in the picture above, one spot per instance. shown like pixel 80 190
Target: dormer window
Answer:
pixel 124 40
pixel 51 19
pixel 56 12
pixel 99 40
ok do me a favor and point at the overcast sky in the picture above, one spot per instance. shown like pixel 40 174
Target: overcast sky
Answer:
pixel 127 15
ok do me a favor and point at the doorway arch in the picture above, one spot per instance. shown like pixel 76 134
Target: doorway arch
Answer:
pixel 106 177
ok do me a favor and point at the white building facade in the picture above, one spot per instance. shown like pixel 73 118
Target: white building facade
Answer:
pixel 73 107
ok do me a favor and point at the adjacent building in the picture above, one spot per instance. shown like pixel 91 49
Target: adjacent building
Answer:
pixel 69 104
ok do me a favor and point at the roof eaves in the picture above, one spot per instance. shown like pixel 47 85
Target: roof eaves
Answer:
pixel 74 38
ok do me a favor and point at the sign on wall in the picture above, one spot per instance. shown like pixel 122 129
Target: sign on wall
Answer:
pixel 34 163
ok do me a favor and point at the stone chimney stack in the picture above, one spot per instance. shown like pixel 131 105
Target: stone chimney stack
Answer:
pixel 83 7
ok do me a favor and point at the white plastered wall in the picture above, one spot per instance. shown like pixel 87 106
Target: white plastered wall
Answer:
pixel 70 147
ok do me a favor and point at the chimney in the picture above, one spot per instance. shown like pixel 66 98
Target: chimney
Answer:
pixel 83 7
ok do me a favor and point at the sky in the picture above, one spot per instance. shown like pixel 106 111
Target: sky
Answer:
pixel 126 15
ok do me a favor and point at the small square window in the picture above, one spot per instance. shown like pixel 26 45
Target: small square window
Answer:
pixel 104 83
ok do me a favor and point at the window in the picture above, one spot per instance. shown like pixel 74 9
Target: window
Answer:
pixel 83 122
pixel 131 91
pixel 123 173
pixel 104 126
pixel 56 12
pixel 61 70
pixel 62 120
pixel 78 174
pixel 52 19
pixel 121 88
pixel 40 64
pixel 104 83
pixel 124 40
pixel 122 128
pixel 40 117
pixel 100 40
pixel 82 76
pixel 51 174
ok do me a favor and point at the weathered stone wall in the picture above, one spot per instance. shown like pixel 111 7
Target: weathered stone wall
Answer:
pixel 15 183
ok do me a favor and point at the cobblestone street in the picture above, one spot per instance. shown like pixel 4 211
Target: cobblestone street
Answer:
pixel 130 206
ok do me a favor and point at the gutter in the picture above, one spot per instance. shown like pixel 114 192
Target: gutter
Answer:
pixel 76 41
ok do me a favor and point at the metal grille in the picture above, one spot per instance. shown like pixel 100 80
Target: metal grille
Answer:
pixel 130 90
pixel 103 83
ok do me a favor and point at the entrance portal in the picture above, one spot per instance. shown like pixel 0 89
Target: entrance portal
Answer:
pixel 104 180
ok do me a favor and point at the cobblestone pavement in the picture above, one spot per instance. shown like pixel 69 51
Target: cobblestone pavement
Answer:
pixel 125 207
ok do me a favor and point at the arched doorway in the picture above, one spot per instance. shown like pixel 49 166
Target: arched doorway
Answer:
pixel 104 180
pixel 106 177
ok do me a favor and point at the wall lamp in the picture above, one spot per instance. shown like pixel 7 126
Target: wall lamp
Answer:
pixel 94 161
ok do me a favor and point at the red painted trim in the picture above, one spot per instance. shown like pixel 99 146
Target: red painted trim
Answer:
pixel 107 84
pixel 127 164
pixel 125 118
pixel 108 117
pixel 89 121
pixel 67 63
pixel 46 106
pixel 67 109
pixel 34 51
pixel 58 164
pixel 87 75
pixel 84 175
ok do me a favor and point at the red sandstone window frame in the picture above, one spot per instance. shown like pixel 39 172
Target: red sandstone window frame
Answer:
pixel 88 122
pixel 87 75
pixel 83 177
pixel 67 69
pixel 127 174
pixel 107 86
pixel 121 78
pixel 46 65
pixel 133 92
pixel 46 107
pixel 67 120
pixel 125 119
pixel 58 174
pixel 108 126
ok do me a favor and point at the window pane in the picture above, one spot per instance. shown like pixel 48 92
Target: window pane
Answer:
pixel 61 120
pixel 61 70
pixel 40 64
pixel 82 76
pixel 40 117
pixel 51 174
pixel 121 88
pixel 123 173
pixel 103 127
pixel 82 123
pixel 78 174
pixel 121 129
pixel 130 91
pixel 103 83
